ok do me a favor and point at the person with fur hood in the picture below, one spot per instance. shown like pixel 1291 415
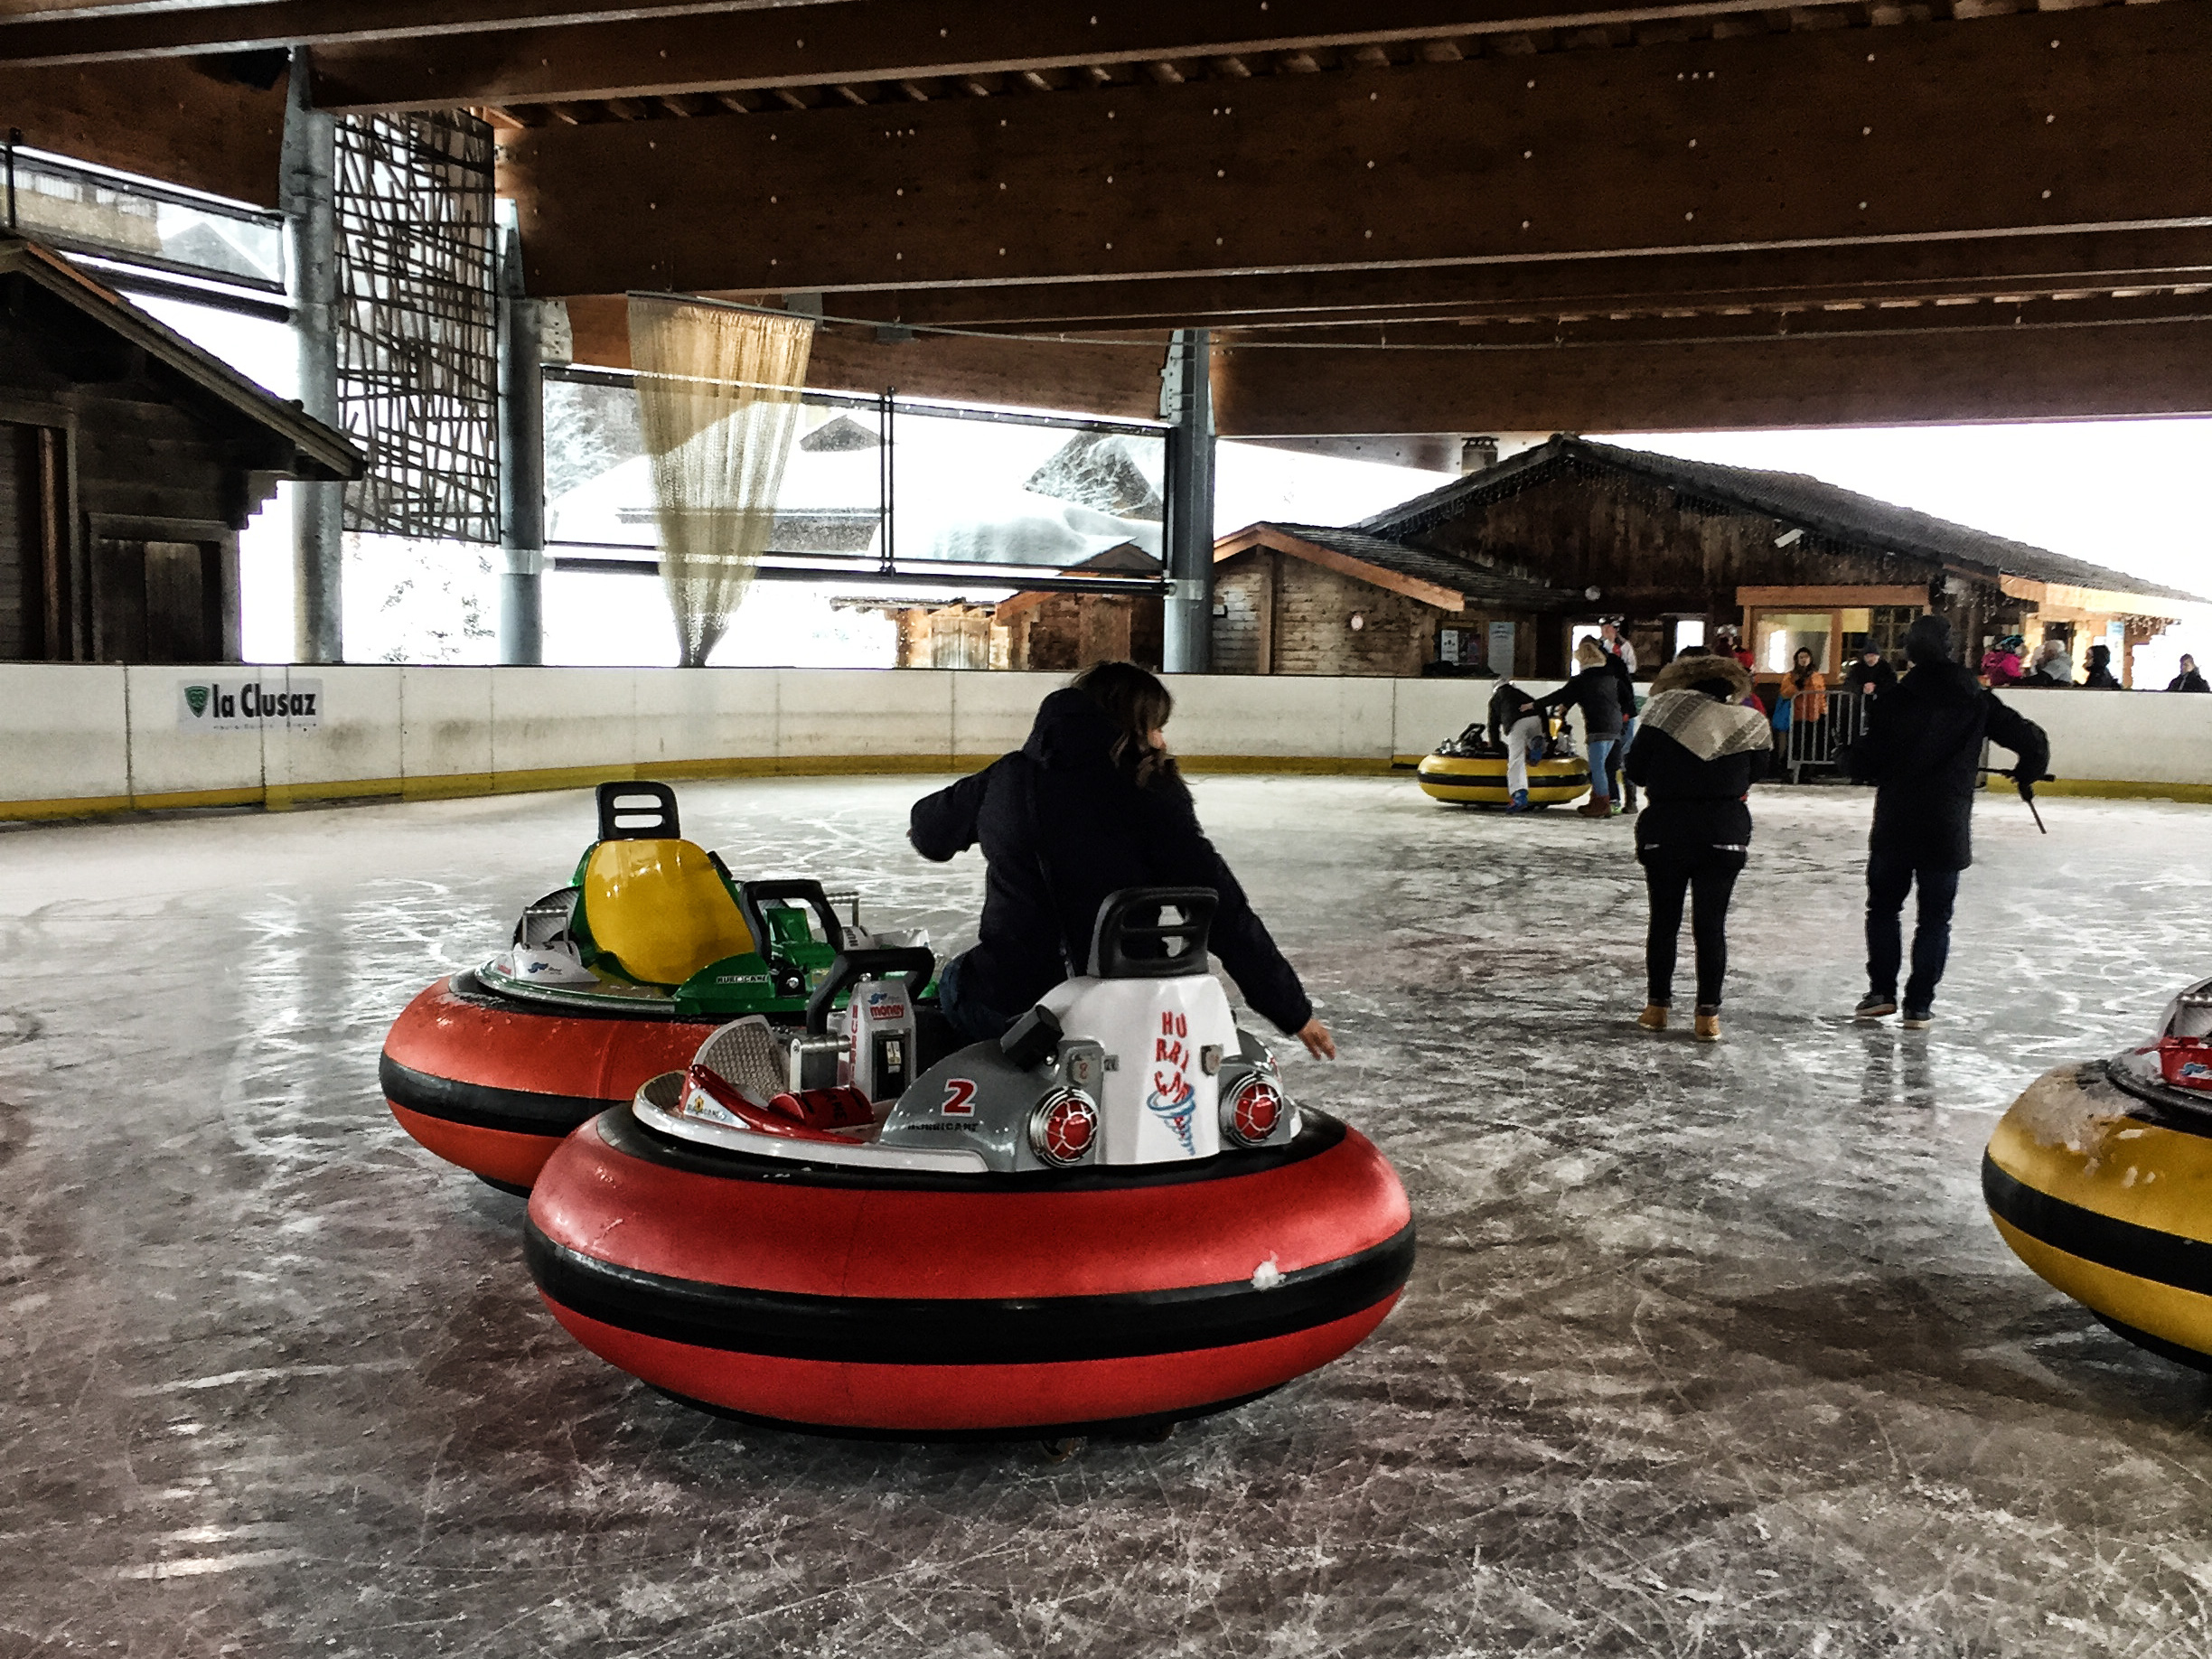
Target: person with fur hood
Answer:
pixel 1697 753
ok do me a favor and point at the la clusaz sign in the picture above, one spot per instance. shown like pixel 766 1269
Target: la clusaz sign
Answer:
pixel 247 705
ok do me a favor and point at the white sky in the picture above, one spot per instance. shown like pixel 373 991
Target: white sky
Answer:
pixel 2126 494
pixel 2129 496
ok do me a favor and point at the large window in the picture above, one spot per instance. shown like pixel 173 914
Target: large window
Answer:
pixel 108 215
pixel 1778 636
pixel 921 491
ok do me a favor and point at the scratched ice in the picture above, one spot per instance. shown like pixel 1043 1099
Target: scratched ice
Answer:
pixel 1709 1351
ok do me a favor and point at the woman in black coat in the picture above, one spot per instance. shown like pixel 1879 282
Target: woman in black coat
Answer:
pixel 1091 803
pixel 1697 751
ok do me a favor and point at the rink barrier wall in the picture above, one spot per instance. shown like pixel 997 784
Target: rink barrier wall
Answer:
pixel 87 740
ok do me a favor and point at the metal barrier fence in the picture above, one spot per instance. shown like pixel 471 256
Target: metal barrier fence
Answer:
pixel 1821 724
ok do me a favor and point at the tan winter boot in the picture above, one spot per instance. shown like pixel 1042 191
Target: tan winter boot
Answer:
pixel 1709 1025
pixel 1653 1018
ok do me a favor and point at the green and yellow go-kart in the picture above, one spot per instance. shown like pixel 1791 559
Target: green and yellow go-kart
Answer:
pixel 615 979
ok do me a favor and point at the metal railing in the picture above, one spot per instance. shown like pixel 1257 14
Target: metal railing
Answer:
pixel 1821 724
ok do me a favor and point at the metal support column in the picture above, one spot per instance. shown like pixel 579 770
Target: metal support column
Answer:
pixel 318 510
pixel 521 464
pixel 1187 398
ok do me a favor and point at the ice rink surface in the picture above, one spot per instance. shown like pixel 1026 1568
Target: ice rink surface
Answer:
pixel 1708 1351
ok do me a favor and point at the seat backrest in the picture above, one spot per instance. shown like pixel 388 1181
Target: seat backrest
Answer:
pixel 1152 932
pixel 637 813
pixel 660 909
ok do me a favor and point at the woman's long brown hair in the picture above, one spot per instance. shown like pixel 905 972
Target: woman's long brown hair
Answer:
pixel 1138 705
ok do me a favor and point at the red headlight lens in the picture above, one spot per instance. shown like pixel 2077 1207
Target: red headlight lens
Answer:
pixel 1255 1111
pixel 1063 1128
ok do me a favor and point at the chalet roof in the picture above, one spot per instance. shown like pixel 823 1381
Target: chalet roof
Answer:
pixel 320 451
pixel 1477 583
pixel 1794 498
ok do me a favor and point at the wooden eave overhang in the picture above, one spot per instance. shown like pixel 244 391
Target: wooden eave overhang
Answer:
pixel 1282 541
pixel 320 453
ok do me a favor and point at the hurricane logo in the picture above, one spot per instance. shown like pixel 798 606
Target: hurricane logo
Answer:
pixel 1176 1111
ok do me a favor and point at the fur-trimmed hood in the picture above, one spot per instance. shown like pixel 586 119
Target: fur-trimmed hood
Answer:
pixel 1688 669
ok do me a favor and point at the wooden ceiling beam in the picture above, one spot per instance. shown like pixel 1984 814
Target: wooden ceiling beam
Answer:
pixel 165 120
pixel 1492 161
pixel 1120 378
pixel 2002 375
pixel 1793 319
pixel 92 33
pixel 1934 270
pixel 1937 271
pixel 880 40
pixel 2087 372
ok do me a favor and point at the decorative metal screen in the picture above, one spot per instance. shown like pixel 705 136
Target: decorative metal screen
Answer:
pixel 417 325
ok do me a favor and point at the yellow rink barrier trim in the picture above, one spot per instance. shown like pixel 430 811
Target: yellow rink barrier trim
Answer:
pixel 444 786
pixel 281 797
pixel 2115 788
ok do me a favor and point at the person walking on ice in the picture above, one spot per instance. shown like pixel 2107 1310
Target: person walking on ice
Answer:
pixel 1697 755
pixel 1922 751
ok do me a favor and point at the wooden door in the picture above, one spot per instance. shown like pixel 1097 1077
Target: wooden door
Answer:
pixel 183 611
pixel 34 584
pixel 157 601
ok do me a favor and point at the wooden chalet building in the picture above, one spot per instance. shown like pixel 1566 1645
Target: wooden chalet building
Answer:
pixel 1309 599
pixel 129 460
pixel 1515 558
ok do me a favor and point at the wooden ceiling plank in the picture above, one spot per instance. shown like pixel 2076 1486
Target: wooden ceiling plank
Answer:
pixel 862 41
pixel 1463 164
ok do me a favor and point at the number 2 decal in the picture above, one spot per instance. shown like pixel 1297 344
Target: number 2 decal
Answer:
pixel 960 1098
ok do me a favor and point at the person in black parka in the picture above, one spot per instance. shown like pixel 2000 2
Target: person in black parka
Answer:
pixel 1697 753
pixel 1923 751
pixel 1091 803
pixel 1868 677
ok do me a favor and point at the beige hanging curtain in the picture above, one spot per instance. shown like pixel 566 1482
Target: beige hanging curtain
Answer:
pixel 718 399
